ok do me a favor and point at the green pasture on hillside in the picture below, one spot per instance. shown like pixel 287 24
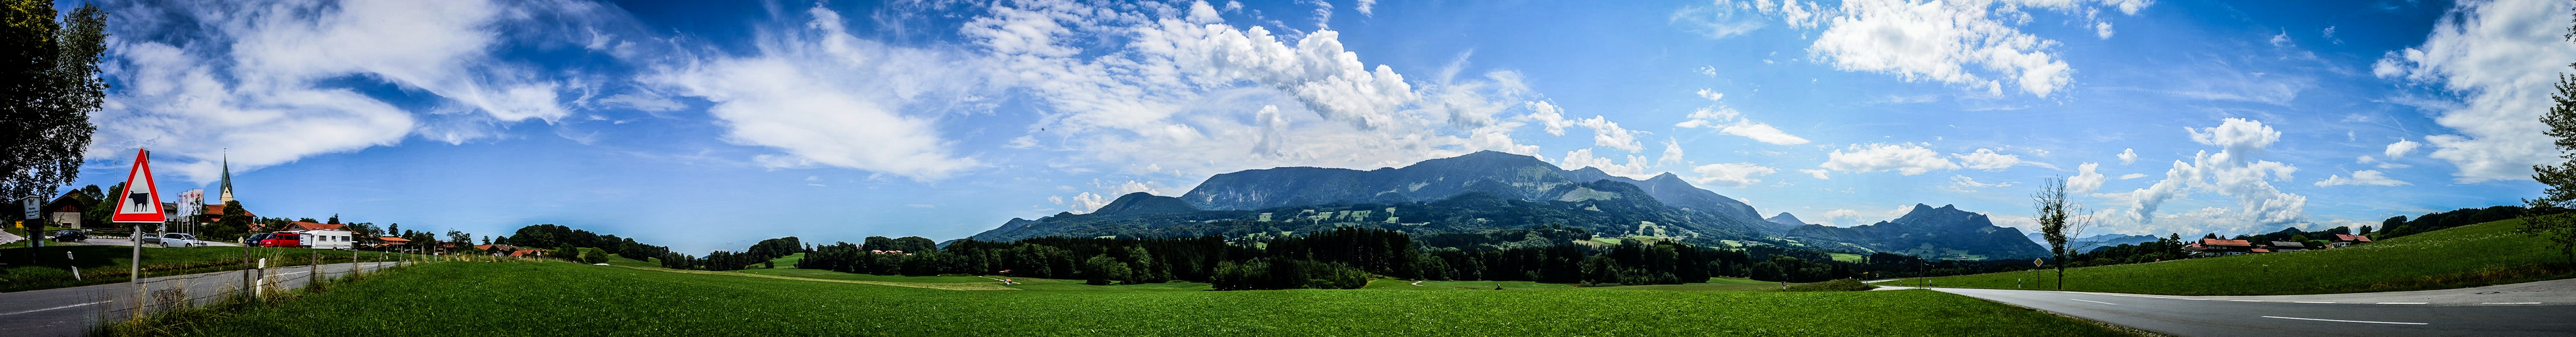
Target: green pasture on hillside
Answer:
pixel 478 299
pixel 2467 256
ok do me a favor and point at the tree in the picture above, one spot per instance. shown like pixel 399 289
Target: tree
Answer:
pixel 460 237
pixel 2548 217
pixel 48 87
pixel 234 223
pixel 2058 220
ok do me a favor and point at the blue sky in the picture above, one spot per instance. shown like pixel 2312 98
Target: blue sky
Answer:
pixel 707 125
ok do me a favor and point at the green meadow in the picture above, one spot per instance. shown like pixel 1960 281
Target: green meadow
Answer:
pixel 511 299
pixel 2467 256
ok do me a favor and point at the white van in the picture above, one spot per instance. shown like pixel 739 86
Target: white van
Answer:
pixel 327 239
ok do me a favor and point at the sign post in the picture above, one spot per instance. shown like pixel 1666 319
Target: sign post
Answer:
pixel 138 204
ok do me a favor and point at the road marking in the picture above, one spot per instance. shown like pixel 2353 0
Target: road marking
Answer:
pixel 2511 303
pixel 2338 320
pixel 2097 302
pixel 2313 302
pixel 2401 302
pixel 55 308
pixel 2244 301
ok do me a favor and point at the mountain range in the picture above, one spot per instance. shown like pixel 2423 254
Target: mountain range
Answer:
pixel 1486 191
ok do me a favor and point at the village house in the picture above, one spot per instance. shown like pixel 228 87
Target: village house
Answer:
pixel 2222 247
pixel 2347 240
pixel 2288 246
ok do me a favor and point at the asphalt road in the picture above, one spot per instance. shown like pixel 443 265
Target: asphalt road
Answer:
pixel 71 311
pixel 2529 309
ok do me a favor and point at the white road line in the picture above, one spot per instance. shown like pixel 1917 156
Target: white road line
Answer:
pixel 2511 303
pixel 2338 320
pixel 2401 302
pixel 55 308
pixel 2313 302
pixel 2097 302
pixel 2244 301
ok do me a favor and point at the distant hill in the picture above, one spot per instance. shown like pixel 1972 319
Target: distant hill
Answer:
pixel 1487 191
pixel 1943 232
pixel 2097 242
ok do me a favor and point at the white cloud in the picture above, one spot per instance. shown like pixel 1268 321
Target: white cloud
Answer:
pixel 1606 133
pixel 2401 148
pixel 269 80
pixel 2367 159
pixel 2128 156
pixel 2280 40
pixel 642 101
pixel 2102 30
pixel 1198 96
pixel 1964 184
pixel 2362 177
pixel 2501 58
pixel 1987 159
pixel 1904 158
pixel 1718 21
pixel 1818 173
pixel 1581 158
pixel 2234 172
pixel 1729 121
pixel 1960 43
pixel 828 98
pixel 2132 176
pixel 2085 180
pixel 1672 153
pixel 1737 175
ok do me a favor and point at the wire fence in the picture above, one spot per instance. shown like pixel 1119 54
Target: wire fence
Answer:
pixel 264 277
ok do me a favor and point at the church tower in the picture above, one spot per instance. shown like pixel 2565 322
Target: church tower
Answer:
pixel 228 179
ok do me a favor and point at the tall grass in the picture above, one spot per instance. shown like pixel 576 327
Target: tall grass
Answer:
pixel 2467 256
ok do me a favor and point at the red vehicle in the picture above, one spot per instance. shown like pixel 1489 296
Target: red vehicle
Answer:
pixel 280 239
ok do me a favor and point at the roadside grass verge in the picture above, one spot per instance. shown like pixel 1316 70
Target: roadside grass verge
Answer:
pixel 180 320
pixel 2466 256
pixel 477 299
pixel 100 264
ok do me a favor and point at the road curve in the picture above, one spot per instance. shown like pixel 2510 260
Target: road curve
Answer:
pixel 2530 309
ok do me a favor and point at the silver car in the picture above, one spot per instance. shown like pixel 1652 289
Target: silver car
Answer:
pixel 177 240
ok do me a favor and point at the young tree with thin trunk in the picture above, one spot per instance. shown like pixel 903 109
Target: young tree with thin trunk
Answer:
pixel 2059 219
pixel 2548 216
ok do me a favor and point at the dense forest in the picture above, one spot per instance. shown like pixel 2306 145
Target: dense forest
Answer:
pixel 1339 258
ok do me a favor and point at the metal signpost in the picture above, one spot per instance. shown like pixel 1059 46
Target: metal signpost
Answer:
pixel 138 204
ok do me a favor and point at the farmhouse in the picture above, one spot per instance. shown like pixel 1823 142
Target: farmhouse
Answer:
pixel 2221 247
pixel 2288 246
pixel 2346 240
pixel 64 212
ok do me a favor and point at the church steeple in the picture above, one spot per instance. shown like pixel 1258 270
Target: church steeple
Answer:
pixel 228 178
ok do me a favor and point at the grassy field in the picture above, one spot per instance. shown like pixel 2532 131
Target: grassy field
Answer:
pixel 788 261
pixel 473 299
pixel 107 264
pixel 2467 256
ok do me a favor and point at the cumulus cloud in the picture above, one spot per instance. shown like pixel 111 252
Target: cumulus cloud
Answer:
pixel 1970 43
pixel 272 81
pixel 1198 96
pixel 2132 176
pixel 2401 148
pixel 1737 175
pixel 1581 158
pixel 1606 133
pixel 2362 177
pixel 2501 58
pixel 2128 156
pixel 828 98
pixel 1904 158
pixel 1672 153
pixel 2085 179
pixel 2234 172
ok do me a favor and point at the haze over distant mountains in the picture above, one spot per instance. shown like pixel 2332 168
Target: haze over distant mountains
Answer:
pixel 1489 190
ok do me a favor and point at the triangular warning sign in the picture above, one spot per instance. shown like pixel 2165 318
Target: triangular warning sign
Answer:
pixel 140 201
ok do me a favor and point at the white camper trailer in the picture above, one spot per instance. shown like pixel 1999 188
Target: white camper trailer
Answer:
pixel 328 239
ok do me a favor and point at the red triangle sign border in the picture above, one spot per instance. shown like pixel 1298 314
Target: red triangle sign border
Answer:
pixel 142 173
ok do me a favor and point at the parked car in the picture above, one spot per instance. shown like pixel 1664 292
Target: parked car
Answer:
pixel 278 239
pixel 176 240
pixel 70 236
